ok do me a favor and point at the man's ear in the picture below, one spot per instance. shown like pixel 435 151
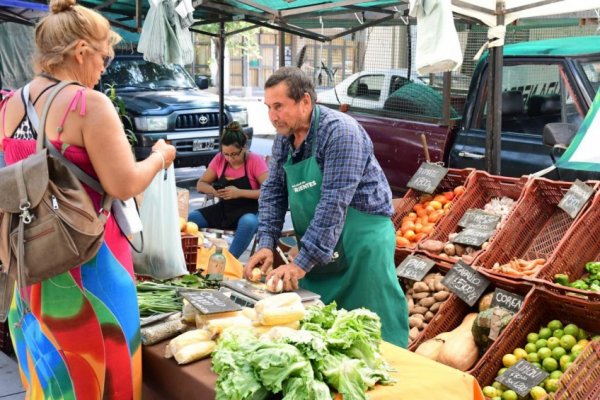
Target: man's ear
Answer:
pixel 79 51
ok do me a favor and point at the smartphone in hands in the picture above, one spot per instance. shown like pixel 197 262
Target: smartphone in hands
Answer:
pixel 218 185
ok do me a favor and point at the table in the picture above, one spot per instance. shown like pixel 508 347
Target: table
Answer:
pixel 418 378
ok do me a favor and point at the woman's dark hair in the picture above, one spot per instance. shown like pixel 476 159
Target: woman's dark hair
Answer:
pixel 234 135
pixel 297 81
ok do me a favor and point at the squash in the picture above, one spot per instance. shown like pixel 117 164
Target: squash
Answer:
pixel 460 351
pixel 431 348
pixel 486 301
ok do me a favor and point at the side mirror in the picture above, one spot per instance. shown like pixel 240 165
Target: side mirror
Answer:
pixel 559 134
pixel 202 81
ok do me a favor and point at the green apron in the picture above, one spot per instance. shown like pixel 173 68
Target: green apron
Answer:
pixel 363 273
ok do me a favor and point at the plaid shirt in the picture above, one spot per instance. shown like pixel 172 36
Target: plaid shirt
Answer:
pixel 351 177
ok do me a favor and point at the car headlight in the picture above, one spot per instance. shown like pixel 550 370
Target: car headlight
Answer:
pixel 151 123
pixel 240 116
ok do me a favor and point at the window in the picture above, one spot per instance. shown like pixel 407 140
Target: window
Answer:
pixel 367 87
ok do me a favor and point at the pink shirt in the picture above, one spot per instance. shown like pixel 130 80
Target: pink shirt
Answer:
pixel 255 165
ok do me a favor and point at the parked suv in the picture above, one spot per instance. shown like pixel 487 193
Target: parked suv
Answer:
pixel 164 102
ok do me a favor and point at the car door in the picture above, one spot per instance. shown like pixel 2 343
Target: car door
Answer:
pixel 365 92
pixel 534 93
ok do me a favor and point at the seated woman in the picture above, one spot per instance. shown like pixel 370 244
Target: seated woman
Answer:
pixel 234 176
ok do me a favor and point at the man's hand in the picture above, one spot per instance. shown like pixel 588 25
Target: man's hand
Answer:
pixel 290 274
pixel 262 259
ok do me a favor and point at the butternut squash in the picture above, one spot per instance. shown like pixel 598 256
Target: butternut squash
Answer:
pixel 460 351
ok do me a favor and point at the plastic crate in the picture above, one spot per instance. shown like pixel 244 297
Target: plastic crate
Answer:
pixel 454 310
pixel 403 206
pixel 534 228
pixel 5 343
pixel 189 243
pixel 582 379
pixel 481 188
pixel 540 307
pixel 579 246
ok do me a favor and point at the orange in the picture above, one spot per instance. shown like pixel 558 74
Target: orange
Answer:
pixel 449 195
pixel 427 229
pixel 191 228
pixel 412 216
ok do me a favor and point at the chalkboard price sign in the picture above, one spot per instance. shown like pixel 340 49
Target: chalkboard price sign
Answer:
pixel 465 282
pixel 479 219
pixel 427 178
pixel 575 198
pixel 210 301
pixel 522 377
pixel 414 267
pixel 510 301
pixel 472 237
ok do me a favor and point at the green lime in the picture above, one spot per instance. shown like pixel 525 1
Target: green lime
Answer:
pixel 582 334
pixel 576 350
pixel 556 374
pixel 541 343
pixel 572 330
pixel 566 366
pixel 551 385
pixel 537 365
pixel 553 342
pixel 509 360
pixel 545 333
pixel 499 387
pixel 558 333
pixel 530 348
pixel 520 353
pixel 554 325
pixel 583 342
pixel 496 398
pixel 532 337
pixel 564 360
pixel 503 370
pixel 544 353
pixel 533 358
pixel 490 391
pixel 509 395
pixel 567 341
pixel 549 364
pixel 558 353
pixel 538 393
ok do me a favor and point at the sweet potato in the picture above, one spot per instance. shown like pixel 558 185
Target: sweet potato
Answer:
pixel 434 246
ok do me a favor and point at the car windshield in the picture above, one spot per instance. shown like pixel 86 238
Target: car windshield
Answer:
pixel 137 73
pixel 592 71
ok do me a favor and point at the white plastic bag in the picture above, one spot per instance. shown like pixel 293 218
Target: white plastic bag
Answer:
pixel 162 256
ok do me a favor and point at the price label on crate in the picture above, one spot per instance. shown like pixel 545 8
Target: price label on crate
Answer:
pixel 575 198
pixel 210 301
pixel 414 267
pixel 479 219
pixel 427 178
pixel 522 377
pixel 472 237
pixel 465 282
pixel 510 301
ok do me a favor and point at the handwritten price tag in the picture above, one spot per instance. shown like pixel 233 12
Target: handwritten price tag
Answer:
pixel 521 377
pixel 465 282
pixel 414 267
pixel 478 219
pixel 210 301
pixel 575 198
pixel 427 178
pixel 472 237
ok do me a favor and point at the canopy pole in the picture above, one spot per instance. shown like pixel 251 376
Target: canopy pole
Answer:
pixel 282 49
pixel 494 120
pixel 221 76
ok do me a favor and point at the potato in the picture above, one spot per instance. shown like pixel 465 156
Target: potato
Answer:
pixel 441 296
pixel 415 322
pixel 413 333
pixel 449 249
pixel 419 310
pixel 422 295
pixel 459 250
pixel 439 287
pixel 419 287
pixel 435 307
pixel 428 316
pixel 434 246
pixel 427 302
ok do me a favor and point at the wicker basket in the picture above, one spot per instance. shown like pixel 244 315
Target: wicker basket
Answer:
pixel 540 307
pixel 5 343
pixel 189 243
pixel 579 246
pixel 482 187
pixel 582 379
pixel 534 229
pixel 403 206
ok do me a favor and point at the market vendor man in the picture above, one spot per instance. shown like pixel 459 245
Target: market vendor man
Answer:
pixel 323 168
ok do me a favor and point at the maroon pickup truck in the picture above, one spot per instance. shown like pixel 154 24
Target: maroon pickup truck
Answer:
pixel 543 82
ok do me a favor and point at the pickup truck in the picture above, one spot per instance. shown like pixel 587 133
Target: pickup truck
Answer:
pixel 164 102
pixel 543 82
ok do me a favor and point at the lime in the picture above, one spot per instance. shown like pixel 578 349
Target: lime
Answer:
pixel 509 395
pixel 499 387
pixel 558 353
pixel 566 367
pixel 583 342
pixel 509 360
pixel 530 348
pixel 572 357
pixel 554 325
pixel 538 393
pixel 551 385
pixel 490 391
pixel 537 365
pixel 545 333
pixel 520 353
pixel 496 398
pixel 541 343
pixel 544 353
pixel 595 337
pixel 564 360
pixel 533 358
pixel 549 364
pixel 558 333
pixel 503 370
pixel 567 341
pixel 556 374
pixel 572 330
pixel 582 334
pixel 553 342
pixel 576 350
pixel 532 337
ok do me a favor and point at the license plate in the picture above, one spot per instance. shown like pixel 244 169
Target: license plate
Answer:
pixel 203 144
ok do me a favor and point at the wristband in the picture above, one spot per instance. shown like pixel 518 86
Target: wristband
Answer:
pixel 161 157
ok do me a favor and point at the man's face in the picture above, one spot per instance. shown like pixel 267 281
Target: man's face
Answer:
pixel 287 115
